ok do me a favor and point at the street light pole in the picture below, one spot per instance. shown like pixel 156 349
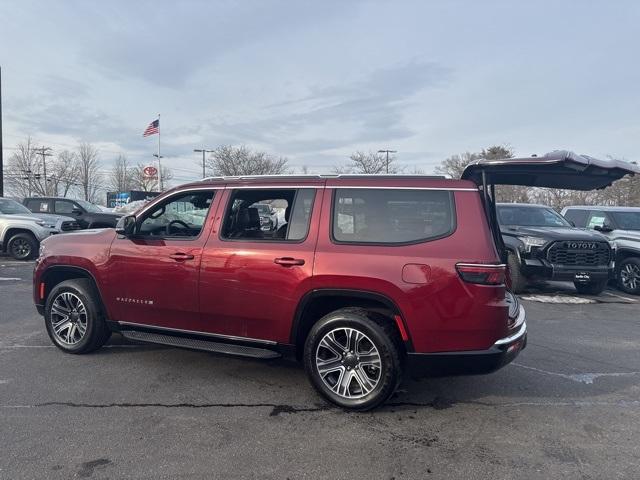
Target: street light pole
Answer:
pixel 204 151
pixel 387 152
pixel 1 151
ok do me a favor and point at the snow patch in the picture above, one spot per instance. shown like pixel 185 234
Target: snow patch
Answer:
pixel 556 299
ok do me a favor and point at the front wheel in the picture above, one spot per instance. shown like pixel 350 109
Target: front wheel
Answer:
pixel 73 317
pixel 353 358
pixel 22 246
pixel 591 288
pixel 628 276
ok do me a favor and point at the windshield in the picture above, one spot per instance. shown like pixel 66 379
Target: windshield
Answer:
pixel 11 207
pixel 89 207
pixel 627 220
pixel 530 217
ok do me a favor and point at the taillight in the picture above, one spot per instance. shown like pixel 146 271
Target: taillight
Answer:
pixel 482 273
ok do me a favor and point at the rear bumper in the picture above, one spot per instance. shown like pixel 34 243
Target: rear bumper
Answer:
pixel 473 362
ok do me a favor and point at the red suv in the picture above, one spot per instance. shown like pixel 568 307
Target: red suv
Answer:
pixel 364 278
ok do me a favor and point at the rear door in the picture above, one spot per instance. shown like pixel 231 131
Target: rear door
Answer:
pixel 252 274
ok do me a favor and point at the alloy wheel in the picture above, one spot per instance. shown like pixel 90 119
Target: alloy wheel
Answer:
pixel 348 363
pixel 20 248
pixel 68 318
pixel 630 276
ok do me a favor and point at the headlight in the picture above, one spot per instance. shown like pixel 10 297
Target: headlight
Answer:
pixel 530 242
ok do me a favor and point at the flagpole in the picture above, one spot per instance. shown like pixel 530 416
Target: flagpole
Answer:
pixel 159 166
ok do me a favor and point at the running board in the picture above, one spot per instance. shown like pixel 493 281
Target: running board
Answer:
pixel 182 342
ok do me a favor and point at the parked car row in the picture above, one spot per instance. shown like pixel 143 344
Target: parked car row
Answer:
pixel 24 226
pixel 588 246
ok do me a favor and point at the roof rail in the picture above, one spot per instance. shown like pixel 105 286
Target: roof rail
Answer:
pixel 318 176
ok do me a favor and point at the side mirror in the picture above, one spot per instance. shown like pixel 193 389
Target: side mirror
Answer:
pixel 76 211
pixel 126 225
pixel 604 228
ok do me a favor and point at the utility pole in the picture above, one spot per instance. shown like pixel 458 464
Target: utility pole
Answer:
pixel 204 152
pixel 1 150
pixel 387 152
pixel 44 151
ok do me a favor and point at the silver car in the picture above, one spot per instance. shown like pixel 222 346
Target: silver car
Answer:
pixel 22 231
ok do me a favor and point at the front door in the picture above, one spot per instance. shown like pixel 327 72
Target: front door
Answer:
pixel 256 268
pixel 153 274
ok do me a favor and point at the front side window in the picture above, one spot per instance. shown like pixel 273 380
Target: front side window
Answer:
pixel 266 214
pixel 530 217
pixel 63 207
pixel 181 216
pixel 598 219
pixel 392 216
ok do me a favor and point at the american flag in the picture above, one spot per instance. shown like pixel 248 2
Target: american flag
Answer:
pixel 152 129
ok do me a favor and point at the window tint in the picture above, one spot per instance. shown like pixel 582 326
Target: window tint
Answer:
pixel 277 215
pixel 598 219
pixel 627 220
pixel 180 216
pixel 38 206
pixel 530 216
pixel 578 217
pixel 62 207
pixel 11 207
pixel 391 216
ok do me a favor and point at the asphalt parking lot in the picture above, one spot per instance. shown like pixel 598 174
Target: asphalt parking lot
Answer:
pixel 569 407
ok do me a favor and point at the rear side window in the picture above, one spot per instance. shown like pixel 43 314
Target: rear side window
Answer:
pixel 391 216
pixel 268 214
pixel 38 206
pixel 578 217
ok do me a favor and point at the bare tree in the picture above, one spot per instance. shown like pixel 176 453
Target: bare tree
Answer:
pixel 64 173
pixel 121 177
pixel 228 160
pixel 369 163
pixel 140 181
pixel 454 165
pixel 24 171
pixel 89 176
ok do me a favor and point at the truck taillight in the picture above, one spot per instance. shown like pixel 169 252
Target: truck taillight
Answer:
pixel 481 273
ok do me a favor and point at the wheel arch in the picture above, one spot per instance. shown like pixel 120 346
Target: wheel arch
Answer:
pixel 57 274
pixel 624 253
pixel 317 303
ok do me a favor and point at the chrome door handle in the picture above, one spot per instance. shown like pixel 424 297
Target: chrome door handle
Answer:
pixel 181 256
pixel 288 261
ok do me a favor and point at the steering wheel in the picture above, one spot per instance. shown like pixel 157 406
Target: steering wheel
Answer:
pixel 172 222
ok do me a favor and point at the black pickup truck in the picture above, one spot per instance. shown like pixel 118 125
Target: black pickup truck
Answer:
pixel 85 213
pixel 542 245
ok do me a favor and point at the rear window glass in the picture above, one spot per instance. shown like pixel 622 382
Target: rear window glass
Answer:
pixel 392 216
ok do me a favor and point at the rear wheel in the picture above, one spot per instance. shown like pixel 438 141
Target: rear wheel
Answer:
pixel 591 288
pixel 73 317
pixel 353 358
pixel 518 281
pixel 22 246
pixel 628 275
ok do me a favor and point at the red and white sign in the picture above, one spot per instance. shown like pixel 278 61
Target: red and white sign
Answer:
pixel 150 171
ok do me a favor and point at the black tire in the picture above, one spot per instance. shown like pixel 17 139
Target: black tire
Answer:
pixel 518 281
pixel 628 275
pixel 22 246
pixel 96 330
pixel 381 333
pixel 591 288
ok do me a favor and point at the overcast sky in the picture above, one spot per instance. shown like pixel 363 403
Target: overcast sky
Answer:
pixel 315 81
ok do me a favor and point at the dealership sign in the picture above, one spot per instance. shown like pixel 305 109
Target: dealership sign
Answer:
pixel 150 172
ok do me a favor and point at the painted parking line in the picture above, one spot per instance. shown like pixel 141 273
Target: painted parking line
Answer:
pixel 633 300
pixel 9 279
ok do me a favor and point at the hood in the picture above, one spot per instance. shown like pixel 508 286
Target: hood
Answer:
pixel 554 233
pixel 22 218
pixel 53 217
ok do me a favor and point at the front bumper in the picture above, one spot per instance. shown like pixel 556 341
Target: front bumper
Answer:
pixel 473 362
pixel 535 268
